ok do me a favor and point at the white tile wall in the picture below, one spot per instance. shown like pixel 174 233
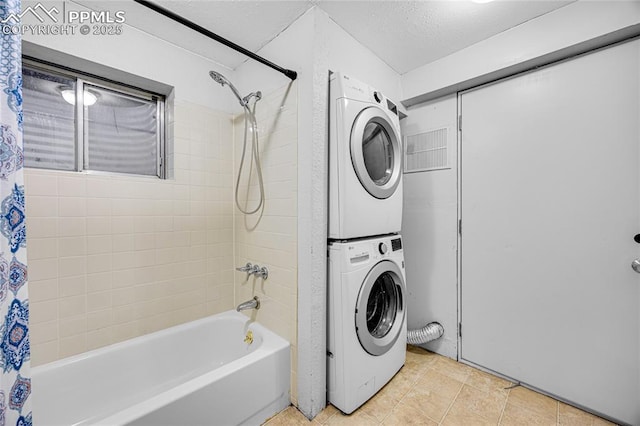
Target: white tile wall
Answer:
pixel 113 257
pixel 270 238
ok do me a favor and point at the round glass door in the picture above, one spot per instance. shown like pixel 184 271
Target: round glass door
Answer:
pixel 380 308
pixel 375 152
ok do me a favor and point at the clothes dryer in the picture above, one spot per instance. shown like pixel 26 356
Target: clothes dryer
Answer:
pixel 367 327
pixel 365 161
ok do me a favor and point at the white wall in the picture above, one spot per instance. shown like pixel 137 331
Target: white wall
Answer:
pixel 565 27
pixel 348 56
pixel 429 229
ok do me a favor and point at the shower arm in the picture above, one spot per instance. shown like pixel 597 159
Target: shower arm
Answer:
pixel 167 13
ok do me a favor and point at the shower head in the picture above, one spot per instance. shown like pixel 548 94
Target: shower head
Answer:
pixel 222 80
pixel 218 78
pixel 257 95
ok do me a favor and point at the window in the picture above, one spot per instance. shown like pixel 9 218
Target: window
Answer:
pixel 78 123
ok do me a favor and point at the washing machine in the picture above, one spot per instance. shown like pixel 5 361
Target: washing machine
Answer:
pixel 367 327
pixel 365 161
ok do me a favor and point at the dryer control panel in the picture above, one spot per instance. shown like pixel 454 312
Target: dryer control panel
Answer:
pixel 359 91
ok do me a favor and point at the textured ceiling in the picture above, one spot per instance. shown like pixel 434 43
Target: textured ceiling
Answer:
pixel 408 34
pixel 405 34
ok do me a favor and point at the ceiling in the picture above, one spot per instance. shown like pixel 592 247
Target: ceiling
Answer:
pixel 405 34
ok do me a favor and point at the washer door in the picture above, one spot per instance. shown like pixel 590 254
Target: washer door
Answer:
pixel 380 308
pixel 375 152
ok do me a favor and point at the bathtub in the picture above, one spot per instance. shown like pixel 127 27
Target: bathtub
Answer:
pixel 199 373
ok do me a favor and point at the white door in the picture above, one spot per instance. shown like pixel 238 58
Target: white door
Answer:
pixel 550 208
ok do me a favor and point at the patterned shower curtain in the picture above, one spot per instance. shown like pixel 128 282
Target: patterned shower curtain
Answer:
pixel 15 377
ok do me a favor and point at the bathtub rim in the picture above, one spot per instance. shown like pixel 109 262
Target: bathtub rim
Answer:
pixel 271 340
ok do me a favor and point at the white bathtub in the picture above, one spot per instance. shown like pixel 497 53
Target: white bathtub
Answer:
pixel 199 373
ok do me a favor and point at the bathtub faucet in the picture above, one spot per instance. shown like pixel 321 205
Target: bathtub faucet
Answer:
pixel 257 270
pixel 249 304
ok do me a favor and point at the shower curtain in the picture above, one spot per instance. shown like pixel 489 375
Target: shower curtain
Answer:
pixel 15 378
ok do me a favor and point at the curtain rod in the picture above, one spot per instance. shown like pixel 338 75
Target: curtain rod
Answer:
pixel 165 12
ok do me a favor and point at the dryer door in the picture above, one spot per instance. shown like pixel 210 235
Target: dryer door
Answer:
pixel 375 152
pixel 380 308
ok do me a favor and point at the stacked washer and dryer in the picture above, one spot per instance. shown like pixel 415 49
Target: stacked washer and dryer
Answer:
pixel 367 324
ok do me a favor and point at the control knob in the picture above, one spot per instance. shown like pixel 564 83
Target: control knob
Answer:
pixel 382 248
pixel 377 97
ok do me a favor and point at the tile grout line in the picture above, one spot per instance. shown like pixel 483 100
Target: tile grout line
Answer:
pixel 427 368
pixel 413 384
pixel 444 416
pixel 380 422
pixel 504 407
pixel 400 400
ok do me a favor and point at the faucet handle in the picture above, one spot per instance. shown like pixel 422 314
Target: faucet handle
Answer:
pixel 248 268
pixel 256 270
pixel 263 272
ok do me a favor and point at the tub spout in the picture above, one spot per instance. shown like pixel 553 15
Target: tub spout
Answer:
pixel 249 304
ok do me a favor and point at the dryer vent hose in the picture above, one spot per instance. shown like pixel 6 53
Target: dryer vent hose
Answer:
pixel 429 332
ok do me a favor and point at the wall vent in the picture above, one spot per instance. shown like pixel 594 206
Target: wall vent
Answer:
pixel 427 151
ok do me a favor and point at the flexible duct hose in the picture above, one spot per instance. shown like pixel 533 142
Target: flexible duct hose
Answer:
pixel 429 332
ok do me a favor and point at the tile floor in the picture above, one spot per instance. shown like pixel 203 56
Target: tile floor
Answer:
pixel 434 390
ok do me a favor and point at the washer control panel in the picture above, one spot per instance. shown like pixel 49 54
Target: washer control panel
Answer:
pixel 368 250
